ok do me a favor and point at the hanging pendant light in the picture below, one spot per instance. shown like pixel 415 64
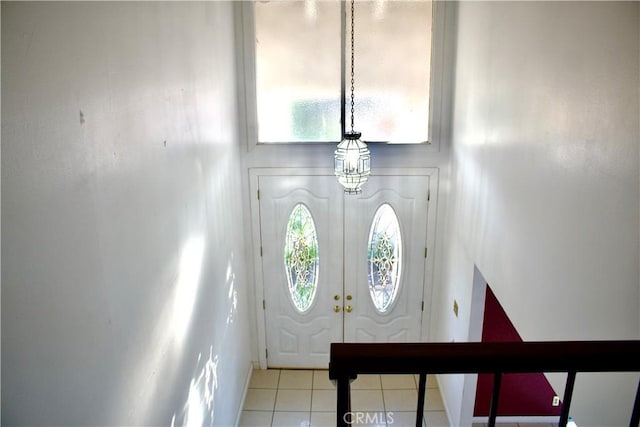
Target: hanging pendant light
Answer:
pixel 352 159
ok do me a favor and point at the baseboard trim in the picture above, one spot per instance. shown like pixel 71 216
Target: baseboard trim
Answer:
pixel 244 394
pixel 444 401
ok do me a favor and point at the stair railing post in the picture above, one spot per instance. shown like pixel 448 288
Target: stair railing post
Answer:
pixel 344 402
pixel 421 392
pixel 566 401
pixel 493 410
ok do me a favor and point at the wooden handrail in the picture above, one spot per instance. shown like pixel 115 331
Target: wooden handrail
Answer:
pixel 348 360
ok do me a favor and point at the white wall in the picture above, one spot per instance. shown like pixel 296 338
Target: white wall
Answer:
pixel 545 185
pixel 123 290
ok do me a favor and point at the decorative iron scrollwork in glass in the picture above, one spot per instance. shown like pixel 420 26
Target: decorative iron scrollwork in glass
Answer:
pixel 384 258
pixel 301 257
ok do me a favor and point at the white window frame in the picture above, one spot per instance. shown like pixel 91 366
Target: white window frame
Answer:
pixel 245 38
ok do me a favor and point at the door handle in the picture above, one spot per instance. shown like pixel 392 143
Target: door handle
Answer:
pixel 336 308
pixel 348 309
pixel 336 297
pixel 349 297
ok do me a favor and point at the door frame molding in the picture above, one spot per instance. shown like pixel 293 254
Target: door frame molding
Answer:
pixel 256 243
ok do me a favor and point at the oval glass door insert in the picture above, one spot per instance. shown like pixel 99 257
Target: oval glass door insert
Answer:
pixel 301 257
pixel 384 256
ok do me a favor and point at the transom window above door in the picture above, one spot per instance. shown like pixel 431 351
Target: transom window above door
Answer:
pixel 301 62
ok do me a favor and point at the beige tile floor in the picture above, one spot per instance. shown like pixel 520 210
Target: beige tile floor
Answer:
pixel 300 398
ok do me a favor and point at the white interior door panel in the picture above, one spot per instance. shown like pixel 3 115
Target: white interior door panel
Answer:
pixel 298 338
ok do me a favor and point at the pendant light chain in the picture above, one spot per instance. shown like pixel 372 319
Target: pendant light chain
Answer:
pixel 352 158
pixel 352 61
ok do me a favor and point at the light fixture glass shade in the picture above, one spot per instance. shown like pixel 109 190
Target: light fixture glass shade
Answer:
pixel 352 163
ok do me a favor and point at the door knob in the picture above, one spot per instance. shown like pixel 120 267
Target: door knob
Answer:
pixel 336 297
pixel 348 309
pixel 349 297
pixel 336 308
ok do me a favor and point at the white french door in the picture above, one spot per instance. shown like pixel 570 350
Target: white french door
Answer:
pixel 406 196
pixel 339 267
pixel 295 337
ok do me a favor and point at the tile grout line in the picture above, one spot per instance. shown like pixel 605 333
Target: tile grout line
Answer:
pixel 384 406
pixel 273 413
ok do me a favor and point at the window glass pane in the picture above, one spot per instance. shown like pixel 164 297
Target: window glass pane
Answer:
pixel 384 258
pixel 301 257
pixel 298 70
pixel 392 70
